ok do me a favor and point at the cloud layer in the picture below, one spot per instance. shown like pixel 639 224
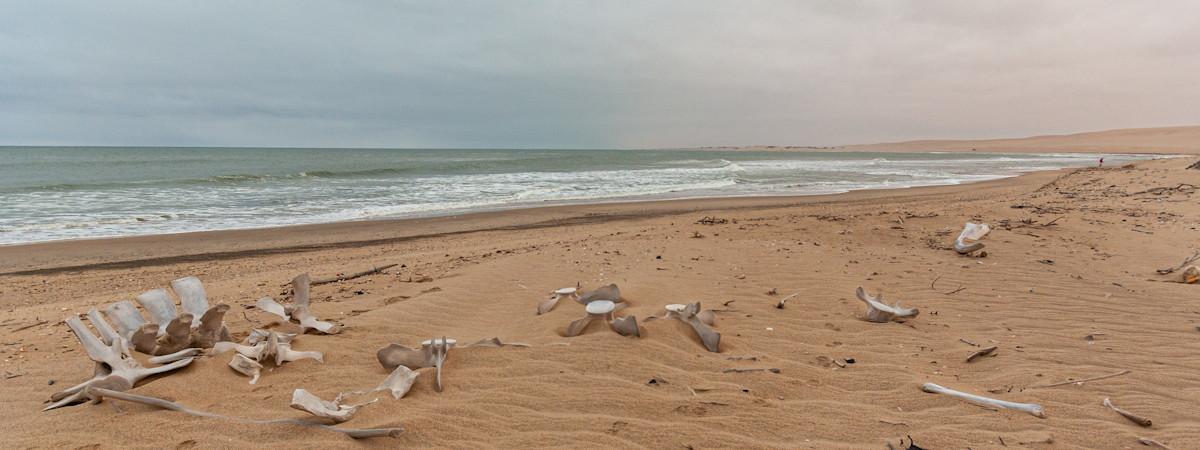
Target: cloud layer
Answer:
pixel 587 74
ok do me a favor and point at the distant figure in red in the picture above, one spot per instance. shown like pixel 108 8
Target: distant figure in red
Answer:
pixel 1101 162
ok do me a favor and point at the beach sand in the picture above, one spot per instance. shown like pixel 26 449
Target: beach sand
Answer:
pixel 1073 254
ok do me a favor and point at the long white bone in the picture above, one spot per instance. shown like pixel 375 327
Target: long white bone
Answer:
pixel 880 312
pixel 1031 408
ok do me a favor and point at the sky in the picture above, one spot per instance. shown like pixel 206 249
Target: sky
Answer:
pixel 598 74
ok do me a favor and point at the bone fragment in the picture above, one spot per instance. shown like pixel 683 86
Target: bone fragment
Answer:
pixel 981 352
pixel 160 306
pixel 610 293
pixel 246 366
pixel 1128 415
pixel 192 297
pixel 548 304
pixel 307 402
pixel 880 312
pixel 1031 408
pixel 967 241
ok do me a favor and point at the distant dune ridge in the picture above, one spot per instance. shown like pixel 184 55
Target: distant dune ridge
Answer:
pixel 1172 140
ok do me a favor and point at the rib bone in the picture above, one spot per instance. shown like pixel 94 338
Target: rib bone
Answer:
pixel 1128 415
pixel 1030 408
pixel 967 241
pixel 880 312
pixel 115 367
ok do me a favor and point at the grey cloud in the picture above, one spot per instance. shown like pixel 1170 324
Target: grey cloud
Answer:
pixel 587 74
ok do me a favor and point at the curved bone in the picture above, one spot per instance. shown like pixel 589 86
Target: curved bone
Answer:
pixel 115 369
pixel 107 333
pixel 246 366
pixel 495 342
pixel 971 233
pixel 1031 408
pixel 431 354
pixel 880 312
pixel 179 355
pixel 255 352
pixel 1128 415
pixel 548 304
pixel 577 326
pixel 126 317
pixel 99 393
pixel 283 351
pixel 307 402
pixel 610 293
pixel 298 311
pixel 160 306
pixel 192 297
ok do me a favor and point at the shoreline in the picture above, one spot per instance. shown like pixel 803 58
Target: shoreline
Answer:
pixel 68 255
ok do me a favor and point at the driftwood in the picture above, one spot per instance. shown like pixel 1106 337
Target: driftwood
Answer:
pixel 1128 415
pixel 337 278
pixel 880 312
pixel 981 352
pixel 356 433
pixel 1031 408
pixel 967 241
pixel 115 367
pixel 298 311
pixel 1085 380
pixel 700 321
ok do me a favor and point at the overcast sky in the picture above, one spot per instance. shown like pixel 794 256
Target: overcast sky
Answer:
pixel 587 74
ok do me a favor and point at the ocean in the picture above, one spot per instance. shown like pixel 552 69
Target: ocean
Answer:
pixel 54 193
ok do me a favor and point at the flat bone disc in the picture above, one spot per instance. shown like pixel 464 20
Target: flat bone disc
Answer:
pixel 565 291
pixel 676 307
pixel 601 307
pixel 449 342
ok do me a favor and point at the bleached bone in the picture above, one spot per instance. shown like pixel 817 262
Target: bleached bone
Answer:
pixel 107 334
pixel 115 367
pixel 603 310
pixel 398 382
pixel 172 357
pixel 309 403
pixel 266 346
pixel 880 312
pixel 246 366
pixel 1191 275
pixel 158 303
pixel 1128 415
pixel 431 354
pixel 192 297
pixel 548 304
pixel 699 320
pixel 128 319
pixel 495 342
pixel 1031 408
pixel 611 293
pixel 298 311
pixel 967 241
pixel 99 393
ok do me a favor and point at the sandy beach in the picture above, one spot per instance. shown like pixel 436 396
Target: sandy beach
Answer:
pixel 1067 291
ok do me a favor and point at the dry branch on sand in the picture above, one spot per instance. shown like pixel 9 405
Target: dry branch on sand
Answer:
pixel 701 321
pixel 115 367
pixel 356 433
pixel 298 310
pixel 880 312
pixel 1080 382
pixel 1031 408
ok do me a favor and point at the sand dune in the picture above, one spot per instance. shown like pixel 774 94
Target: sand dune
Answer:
pixel 1042 289
pixel 1185 140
